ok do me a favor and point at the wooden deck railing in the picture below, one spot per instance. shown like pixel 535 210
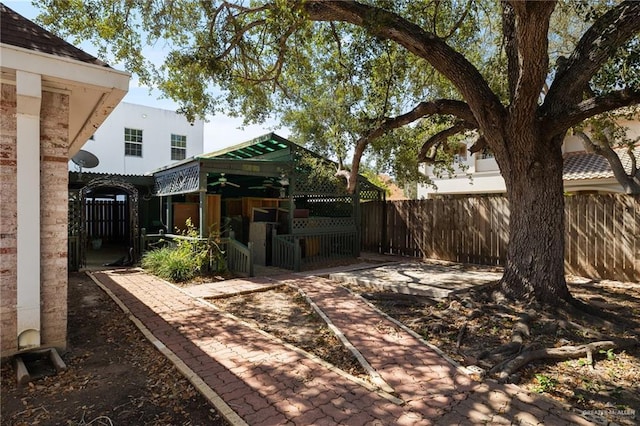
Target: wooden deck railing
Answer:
pixel 239 257
pixel 285 252
pixel 302 250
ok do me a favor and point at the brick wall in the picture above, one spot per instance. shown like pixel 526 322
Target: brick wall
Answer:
pixel 54 143
pixel 8 213
pixel 54 134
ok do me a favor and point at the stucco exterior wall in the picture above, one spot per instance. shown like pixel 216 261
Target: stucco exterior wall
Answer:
pixel 156 124
pixel 54 130
pixel 8 221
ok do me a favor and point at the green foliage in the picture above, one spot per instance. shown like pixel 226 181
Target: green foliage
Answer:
pixel 375 179
pixel 330 82
pixel 187 258
pixel 611 356
pixel 545 383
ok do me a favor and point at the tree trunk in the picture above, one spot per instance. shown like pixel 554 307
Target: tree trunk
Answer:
pixel 535 257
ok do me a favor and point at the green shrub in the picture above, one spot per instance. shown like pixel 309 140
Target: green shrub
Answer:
pixel 186 259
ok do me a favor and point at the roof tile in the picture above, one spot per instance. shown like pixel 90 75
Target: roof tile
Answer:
pixel 584 165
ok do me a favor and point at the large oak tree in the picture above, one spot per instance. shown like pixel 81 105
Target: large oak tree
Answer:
pixel 344 70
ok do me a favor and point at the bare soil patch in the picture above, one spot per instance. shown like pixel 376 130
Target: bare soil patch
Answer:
pixel 475 331
pixel 609 385
pixel 284 313
pixel 114 376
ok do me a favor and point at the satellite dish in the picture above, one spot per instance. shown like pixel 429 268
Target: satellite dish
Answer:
pixel 85 159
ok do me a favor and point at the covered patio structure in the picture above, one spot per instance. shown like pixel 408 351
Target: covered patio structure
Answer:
pixel 276 198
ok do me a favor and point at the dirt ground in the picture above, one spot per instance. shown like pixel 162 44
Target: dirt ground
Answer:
pixel 114 376
pixel 610 386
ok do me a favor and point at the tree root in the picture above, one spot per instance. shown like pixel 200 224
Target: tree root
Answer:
pixel 510 366
pixel 519 331
pixel 461 333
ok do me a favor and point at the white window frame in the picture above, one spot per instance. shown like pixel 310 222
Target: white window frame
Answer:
pixel 133 142
pixel 178 147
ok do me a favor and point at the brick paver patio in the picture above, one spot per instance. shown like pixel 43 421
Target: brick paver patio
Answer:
pixel 266 382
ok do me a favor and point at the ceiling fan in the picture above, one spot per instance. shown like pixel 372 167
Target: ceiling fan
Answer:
pixel 222 181
pixel 272 183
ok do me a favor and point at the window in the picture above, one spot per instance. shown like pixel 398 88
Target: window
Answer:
pixel 178 147
pixel 460 153
pixel 486 154
pixel 133 142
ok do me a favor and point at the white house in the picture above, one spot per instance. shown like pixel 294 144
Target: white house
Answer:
pixel 478 173
pixel 136 139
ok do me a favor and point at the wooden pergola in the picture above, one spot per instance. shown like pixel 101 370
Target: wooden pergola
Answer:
pixel 268 180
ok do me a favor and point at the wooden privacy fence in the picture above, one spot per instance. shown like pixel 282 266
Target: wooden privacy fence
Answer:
pixel 602 232
pixel 106 219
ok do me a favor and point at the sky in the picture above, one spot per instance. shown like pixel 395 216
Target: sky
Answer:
pixel 220 131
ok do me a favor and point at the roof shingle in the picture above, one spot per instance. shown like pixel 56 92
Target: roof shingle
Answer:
pixel 16 30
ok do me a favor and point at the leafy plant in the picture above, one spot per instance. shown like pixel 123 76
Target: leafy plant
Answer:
pixel 188 257
pixel 609 354
pixel 545 383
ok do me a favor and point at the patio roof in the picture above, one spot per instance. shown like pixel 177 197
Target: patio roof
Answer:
pixel 269 156
pixel 260 146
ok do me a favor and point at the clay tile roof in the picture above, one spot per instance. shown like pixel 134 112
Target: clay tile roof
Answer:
pixel 584 165
pixel 16 30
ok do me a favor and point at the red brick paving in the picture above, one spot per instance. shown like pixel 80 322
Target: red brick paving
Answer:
pixel 266 383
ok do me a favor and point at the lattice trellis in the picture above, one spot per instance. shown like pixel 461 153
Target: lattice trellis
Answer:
pixel 317 225
pixel 326 205
pixel 132 195
pixel 369 191
pixel 178 181
pixel 75 213
pixel 307 186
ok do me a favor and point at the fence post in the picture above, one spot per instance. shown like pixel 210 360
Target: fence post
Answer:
pixel 143 240
pixel 250 247
pixel 385 238
pixel 297 255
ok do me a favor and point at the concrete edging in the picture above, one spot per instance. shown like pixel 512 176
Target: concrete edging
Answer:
pixel 375 377
pixel 386 395
pixel 455 364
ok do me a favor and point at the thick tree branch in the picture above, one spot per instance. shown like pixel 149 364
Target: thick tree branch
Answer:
pixel 438 139
pixel 510 47
pixel 479 145
pixel 596 46
pixel 531 32
pixel 590 108
pixel 485 105
pixel 458 109
pixel 627 180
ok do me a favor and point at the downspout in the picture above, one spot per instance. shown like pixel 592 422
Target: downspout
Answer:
pixel 29 97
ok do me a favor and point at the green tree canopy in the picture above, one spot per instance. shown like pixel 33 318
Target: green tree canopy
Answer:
pixel 399 78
